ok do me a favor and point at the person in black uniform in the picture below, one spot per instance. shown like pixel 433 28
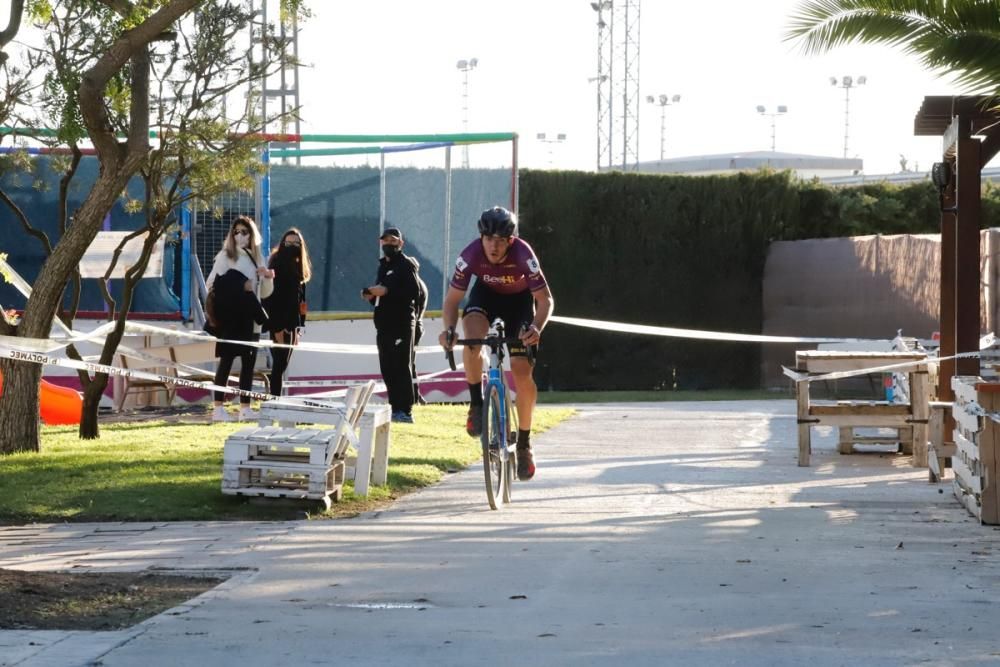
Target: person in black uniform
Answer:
pixel 418 333
pixel 286 306
pixel 394 296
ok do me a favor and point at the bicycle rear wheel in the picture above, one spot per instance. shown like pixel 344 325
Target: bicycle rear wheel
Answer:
pixel 494 467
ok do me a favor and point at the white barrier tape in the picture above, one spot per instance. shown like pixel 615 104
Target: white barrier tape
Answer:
pixel 22 286
pixel 296 384
pixel 15 278
pixel 431 377
pixel 36 350
pixel 672 332
pixel 307 399
pixel 335 348
pixel 435 376
pixel 39 345
pixel 799 376
pixel 46 360
pixel 132 353
pixel 99 333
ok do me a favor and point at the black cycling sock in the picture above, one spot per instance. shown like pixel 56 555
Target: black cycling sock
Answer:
pixel 523 439
pixel 476 394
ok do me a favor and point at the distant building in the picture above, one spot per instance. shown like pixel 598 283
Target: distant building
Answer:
pixel 804 166
pixel 991 175
pixel 833 171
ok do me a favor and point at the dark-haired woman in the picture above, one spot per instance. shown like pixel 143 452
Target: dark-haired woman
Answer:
pixel 286 307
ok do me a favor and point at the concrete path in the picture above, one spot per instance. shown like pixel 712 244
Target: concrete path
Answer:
pixel 653 534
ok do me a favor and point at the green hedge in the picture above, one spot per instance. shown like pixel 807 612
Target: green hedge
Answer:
pixel 684 252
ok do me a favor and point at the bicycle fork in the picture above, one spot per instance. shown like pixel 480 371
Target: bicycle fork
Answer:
pixel 493 379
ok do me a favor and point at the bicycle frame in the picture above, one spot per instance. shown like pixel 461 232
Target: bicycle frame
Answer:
pixel 497 437
pixel 494 376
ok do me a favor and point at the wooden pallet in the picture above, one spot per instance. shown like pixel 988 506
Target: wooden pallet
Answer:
pixel 288 462
pixel 285 479
pixel 908 420
pixel 372 463
pixel 976 441
pixel 939 452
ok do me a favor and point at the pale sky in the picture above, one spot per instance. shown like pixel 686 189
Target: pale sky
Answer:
pixel 389 66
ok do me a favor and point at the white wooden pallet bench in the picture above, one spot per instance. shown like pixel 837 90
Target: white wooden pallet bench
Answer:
pixel 289 462
pixel 372 464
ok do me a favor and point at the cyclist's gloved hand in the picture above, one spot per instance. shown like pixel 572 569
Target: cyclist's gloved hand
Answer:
pixel 530 335
pixel 447 339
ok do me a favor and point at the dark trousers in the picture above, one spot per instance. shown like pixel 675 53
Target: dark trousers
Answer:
pixel 395 356
pixel 417 335
pixel 248 358
pixel 280 358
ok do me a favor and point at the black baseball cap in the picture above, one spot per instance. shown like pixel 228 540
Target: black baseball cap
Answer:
pixel 392 231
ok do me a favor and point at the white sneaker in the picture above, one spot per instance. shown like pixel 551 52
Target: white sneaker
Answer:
pixel 219 414
pixel 249 415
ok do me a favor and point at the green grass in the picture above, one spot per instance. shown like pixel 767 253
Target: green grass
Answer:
pixel 157 471
pixel 553 397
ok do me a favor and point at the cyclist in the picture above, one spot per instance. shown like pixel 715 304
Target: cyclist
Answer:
pixel 509 285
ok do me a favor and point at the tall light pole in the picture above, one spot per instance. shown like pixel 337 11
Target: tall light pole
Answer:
pixel 847 82
pixel 663 101
pixel 781 111
pixel 465 66
pixel 605 70
pixel 558 139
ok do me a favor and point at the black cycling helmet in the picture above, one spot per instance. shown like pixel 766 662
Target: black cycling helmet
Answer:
pixel 498 221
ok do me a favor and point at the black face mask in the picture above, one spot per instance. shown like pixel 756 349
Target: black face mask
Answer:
pixel 287 262
pixel 391 251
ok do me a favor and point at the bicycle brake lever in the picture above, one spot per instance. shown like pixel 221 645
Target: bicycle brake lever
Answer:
pixel 449 354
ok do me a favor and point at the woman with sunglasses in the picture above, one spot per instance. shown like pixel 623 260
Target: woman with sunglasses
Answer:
pixel 239 276
pixel 286 307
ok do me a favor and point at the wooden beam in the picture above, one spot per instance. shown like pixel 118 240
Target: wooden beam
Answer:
pixel 946 326
pixel 968 193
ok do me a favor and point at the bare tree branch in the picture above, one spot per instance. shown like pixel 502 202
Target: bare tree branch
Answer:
pixel 94 81
pixel 121 7
pixel 25 223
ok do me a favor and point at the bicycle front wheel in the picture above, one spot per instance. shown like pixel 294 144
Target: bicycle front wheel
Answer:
pixel 493 447
pixel 511 457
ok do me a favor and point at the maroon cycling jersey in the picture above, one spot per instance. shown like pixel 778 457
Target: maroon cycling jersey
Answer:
pixel 519 271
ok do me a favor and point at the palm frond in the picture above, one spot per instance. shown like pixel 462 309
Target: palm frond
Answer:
pixel 973 16
pixel 857 26
pixel 972 58
pixel 956 37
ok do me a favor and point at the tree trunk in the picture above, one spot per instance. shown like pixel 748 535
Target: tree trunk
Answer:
pixel 89 424
pixel 19 421
pixel 119 161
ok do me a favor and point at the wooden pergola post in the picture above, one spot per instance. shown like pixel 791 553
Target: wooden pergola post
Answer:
pixel 971 138
pixel 968 196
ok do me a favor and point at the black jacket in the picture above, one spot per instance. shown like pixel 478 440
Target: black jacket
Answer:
pixel 396 311
pixel 236 311
pixel 286 305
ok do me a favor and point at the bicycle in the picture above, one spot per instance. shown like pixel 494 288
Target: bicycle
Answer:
pixel 499 417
